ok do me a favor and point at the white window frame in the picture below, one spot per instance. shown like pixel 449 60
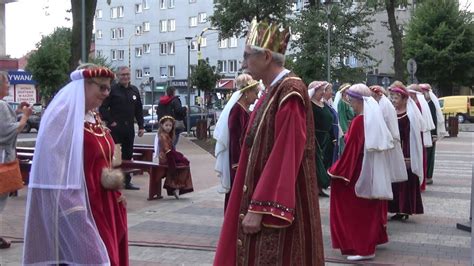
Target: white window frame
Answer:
pixel 163 25
pixel 99 53
pixel 120 54
pixel 171 48
pixel 163 72
pixel 145 4
pixel 171 71
pixel 113 54
pixel 113 34
pixel 138 51
pixel 171 3
pixel 163 48
pixel 203 42
pixel 138 8
pixel 193 21
pixel 120 11
pixel 232 66
pixel 202 17
pixel 98 13
pixel 233 41
pixel 146 26
pixel 223 43
pixel 222 66
pixel 98 34
pixel 120 33
pixel 138 30
pixel 163 4
pixel 194 45
pixel 146 48
pixel 138 73
pixel 171 25
pixel 113 12
pixel 146 71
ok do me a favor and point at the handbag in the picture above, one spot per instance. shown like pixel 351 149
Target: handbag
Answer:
pixel 179 125
pixel 10 176
pixel 117 157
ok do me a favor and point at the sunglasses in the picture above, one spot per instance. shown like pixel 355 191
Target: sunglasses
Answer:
pixel 102 87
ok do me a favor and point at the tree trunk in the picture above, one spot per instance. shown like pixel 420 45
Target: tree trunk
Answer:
pixel 76 49
pixel 396 40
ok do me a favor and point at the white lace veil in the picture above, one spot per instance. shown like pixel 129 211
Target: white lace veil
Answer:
pixel 59 226
pixel 221 134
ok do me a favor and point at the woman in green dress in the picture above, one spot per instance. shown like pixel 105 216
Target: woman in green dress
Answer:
pixel 324 133
pixel 344 112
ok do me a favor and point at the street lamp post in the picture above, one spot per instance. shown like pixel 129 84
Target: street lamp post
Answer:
pixel 328 5
pixel 188 102
pixel 83 32
pixel 152 87
pixel 130 50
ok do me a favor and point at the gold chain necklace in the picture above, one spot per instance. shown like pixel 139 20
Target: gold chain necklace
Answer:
pixel 108 159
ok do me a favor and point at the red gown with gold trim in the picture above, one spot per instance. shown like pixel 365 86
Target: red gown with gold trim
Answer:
pixel 357 224
pixel 110 216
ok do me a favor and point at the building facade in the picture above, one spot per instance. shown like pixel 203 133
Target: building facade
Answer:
pixel 150 37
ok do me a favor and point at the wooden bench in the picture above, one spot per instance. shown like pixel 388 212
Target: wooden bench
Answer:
pixel 156 172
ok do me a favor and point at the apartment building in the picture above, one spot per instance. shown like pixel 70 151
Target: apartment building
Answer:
pixel 150 37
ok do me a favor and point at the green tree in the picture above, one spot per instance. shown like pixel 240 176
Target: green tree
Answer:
pixel 440 37
pixel 350 29
pixel 76 46
pixel 49 64
pixel 231 16
pixel 204 77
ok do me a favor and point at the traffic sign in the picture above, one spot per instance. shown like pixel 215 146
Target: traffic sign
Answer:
pixel 385 82
pixel 411 66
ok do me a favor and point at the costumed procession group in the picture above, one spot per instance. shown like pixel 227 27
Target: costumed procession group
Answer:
pixel 279 145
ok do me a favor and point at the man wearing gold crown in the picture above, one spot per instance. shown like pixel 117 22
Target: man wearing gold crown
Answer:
pixel 273 213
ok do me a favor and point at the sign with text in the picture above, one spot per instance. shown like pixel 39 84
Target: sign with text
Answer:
pixel 25 93
pixel 20 77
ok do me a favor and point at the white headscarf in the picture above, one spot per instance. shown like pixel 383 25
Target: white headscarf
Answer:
pixel 221 134
pixel 59 226
pixel 337 98
pixel 416 146
pixel 440 125
pixel 427 119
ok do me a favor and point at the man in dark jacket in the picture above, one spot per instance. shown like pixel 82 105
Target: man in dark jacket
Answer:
pixel 170 104
pixel 119 111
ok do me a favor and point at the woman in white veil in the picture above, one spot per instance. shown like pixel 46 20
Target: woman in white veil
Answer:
pixel 75 214
pixel 230 131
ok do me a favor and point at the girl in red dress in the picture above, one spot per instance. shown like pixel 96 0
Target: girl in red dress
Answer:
pixel 178 180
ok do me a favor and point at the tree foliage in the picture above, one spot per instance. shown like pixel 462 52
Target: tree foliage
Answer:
pixel 350 29
pixel 231 16
pixel 440 38
pixel 204 76
pixel 49 64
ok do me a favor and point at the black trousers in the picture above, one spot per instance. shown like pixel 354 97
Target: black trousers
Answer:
pixel 125 135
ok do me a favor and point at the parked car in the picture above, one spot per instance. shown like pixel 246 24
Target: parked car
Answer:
pixel 461 106
pixel 196 112
pixel 34 119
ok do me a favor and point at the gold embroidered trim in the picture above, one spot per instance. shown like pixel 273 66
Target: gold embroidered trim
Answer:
pixel 277 216
pixel 289 95
pixel 340 177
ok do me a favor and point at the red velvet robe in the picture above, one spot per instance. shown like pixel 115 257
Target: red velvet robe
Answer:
pixel 110 216
pixel 357 224
pixel 276 177
pixel 237 122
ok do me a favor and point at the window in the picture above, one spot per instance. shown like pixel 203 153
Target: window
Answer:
pixel 192 21
pixel 120 11
pixel 138 51
pixel 113 12
pixel 171 25
pixel 138 30
pixel 193 68
pixel 146 71
pixel 203 42
pixel 146 48
pixel 163 48
pixel 222 66
pixel 163 25
pixel 223 43
pixel 120 54
pixel 145 4
pixel 163 72
pixel 138 8
pixel 171 47
pixel 99 53
pixel 113 34
pixel 193 45
pixel 138 73
pixel 171 4
pixel 233 42
pixel 232 66
pixel 98 13
pixel 98 34
pixel 171 71
pixel 120 32
pixel 202 17
pixel 146 26
pixel 113 54
pixel 163 4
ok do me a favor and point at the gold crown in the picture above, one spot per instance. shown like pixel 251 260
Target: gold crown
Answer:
pixel 166 117
pixel 273 37
pixel 251 84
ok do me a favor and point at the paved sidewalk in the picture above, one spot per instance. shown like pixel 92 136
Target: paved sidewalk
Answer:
pixel 185 231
